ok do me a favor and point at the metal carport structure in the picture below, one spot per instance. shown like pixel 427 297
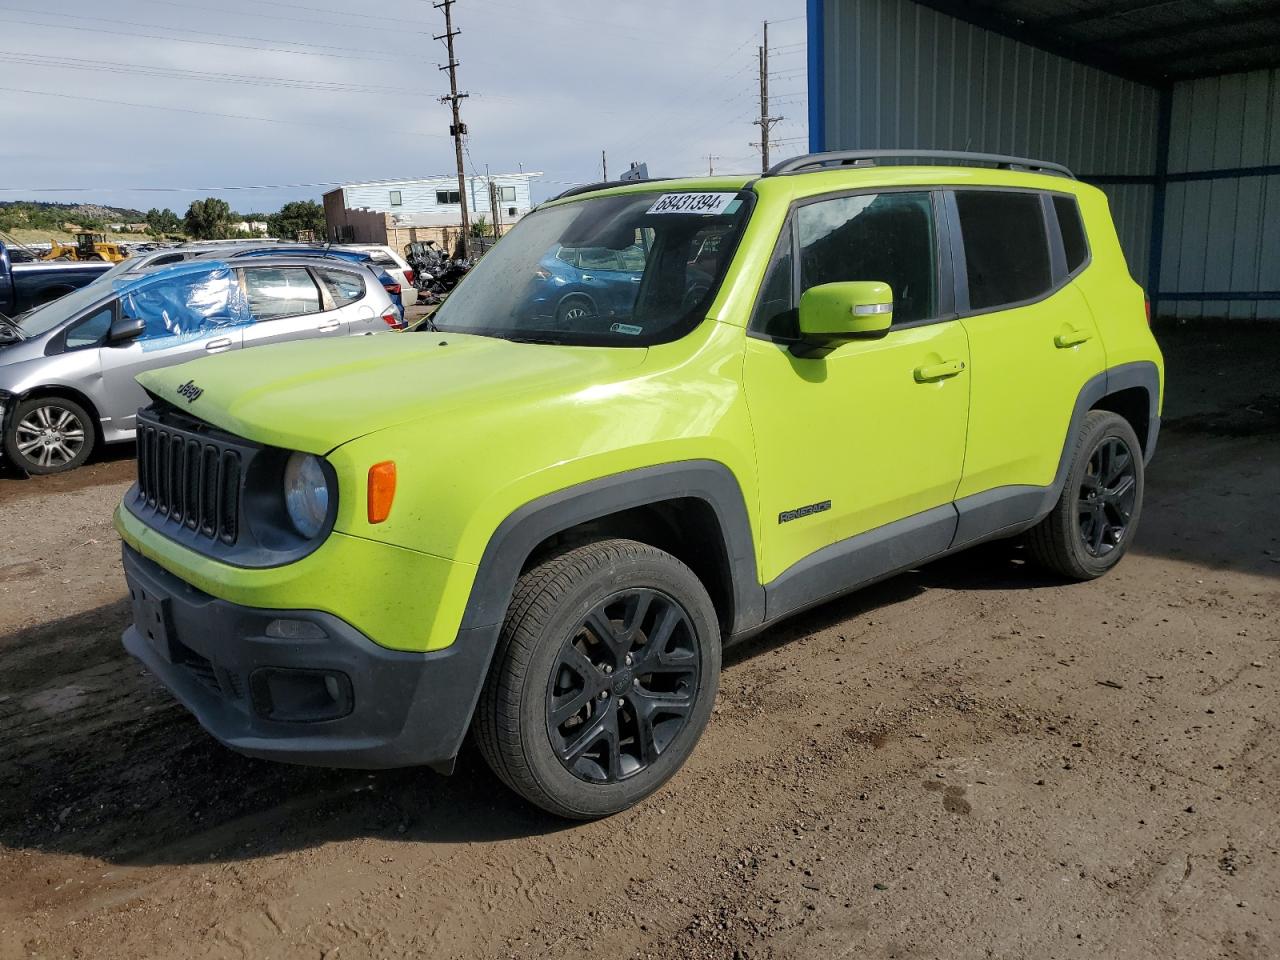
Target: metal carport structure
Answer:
pixel 1170 106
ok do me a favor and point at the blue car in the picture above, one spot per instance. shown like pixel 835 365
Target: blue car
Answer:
pixel 572 283
pixel 389 283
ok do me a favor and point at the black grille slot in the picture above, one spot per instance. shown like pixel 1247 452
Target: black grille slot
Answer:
pixel 191 478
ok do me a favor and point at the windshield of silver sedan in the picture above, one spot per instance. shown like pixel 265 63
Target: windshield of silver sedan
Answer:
pixel 624 270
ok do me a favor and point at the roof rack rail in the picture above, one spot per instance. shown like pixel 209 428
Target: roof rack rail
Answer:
pixel 869 158
pixel 604 185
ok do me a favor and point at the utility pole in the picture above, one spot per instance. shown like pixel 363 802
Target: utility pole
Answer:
pixel 711 161
pixel 766 122
pixel 458 129
pixel 604 166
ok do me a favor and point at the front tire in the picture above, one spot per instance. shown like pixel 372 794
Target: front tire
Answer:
pixel 1094 521
pixel 604 678
pixel 49 435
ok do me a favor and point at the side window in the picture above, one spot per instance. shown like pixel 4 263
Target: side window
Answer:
pixel 1005 247
pixel 508 194
pixel 888 237
pixel 633 259
pixel 344 287
pixel 92 330
pixel 597 258
pixel 187 305
pixel 1073 239
pixel 776 316
pixel 275 292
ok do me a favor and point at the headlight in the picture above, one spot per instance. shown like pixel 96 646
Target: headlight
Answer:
pixel 306 494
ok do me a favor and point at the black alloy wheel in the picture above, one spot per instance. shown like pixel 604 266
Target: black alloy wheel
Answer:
pixel 1093 522
pixel 1107 493
pixel 623 686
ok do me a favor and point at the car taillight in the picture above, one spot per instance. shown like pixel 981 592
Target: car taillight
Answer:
pixel 408 276
pixel 1147 302
pixel 391 318
pixel 392 288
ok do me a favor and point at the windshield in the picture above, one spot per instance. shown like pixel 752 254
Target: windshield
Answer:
pixel 627 270
pixel 42 319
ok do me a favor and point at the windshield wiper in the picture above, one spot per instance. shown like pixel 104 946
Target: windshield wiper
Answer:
pixel 517 338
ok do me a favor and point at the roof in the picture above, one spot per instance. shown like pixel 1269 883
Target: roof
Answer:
pixel 1152 41
pixel 450 177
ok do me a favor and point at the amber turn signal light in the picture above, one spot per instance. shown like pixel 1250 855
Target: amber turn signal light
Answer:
pixel 382 490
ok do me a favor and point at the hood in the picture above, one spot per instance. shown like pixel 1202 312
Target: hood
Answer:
pixel 22 350
pixel 318 394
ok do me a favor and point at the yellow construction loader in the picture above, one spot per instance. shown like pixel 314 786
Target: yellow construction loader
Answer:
pixel 88 246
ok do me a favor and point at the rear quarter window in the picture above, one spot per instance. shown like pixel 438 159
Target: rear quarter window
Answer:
pixel 1074 242
pixel 1006 247
pixel 345 287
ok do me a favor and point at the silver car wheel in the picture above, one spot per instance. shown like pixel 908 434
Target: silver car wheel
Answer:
pixel 50 436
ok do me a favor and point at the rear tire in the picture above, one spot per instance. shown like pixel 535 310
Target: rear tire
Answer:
pixel 604 678
pixel 49 435
pixel 1093 523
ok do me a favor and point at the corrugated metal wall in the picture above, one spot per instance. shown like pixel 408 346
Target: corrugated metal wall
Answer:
pixel 1223 235
pixel 900 76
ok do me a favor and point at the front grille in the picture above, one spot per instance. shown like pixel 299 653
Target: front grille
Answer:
pixel 190 479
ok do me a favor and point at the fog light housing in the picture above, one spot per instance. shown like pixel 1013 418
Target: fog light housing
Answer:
pixel 300 696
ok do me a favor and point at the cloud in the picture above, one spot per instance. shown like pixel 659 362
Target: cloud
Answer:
pixel 660 81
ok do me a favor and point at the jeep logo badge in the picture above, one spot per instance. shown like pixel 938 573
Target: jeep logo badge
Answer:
pixel 190 391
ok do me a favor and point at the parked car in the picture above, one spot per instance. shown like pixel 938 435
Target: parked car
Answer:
pixel 67 369
pixel 32 283
pixel 877 363
pixel 388 259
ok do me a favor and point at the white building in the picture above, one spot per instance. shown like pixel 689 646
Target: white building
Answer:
pixel 398 211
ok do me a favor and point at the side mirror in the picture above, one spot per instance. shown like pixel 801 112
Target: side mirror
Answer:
pixel 831 313
pixel 125 330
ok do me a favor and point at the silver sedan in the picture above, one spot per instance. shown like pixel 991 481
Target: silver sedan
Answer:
pixel 67 368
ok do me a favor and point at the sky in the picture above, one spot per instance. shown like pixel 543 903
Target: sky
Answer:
pixel 155 103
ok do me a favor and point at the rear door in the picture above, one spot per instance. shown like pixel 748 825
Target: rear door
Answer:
pixel 286 303
pixel 1031 336
pixel 352 293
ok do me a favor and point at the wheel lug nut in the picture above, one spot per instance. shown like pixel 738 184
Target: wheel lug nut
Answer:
pixel 608 669
pixel 628 659
pixel 604 694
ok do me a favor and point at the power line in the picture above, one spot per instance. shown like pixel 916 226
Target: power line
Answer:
pixel 202 33
pixel 203 113
pixel 381 58
pixel 178 73
pixel 258 15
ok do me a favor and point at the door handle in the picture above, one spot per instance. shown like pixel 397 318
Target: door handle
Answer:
pixel 635 279
pixel 329 325
pixel 222 343
pixel 587 277
pixel 931 373
pixel 1071 338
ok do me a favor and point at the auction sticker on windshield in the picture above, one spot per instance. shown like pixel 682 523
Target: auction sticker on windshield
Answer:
pixel 704 203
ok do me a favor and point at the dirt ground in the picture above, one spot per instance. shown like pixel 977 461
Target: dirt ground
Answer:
pixel 969 760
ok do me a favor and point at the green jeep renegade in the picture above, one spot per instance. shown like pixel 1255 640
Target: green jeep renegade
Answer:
pixel 655 419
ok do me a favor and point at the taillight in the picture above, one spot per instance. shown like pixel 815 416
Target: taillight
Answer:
pixel 408 276
pixel 542 274
pixel 391 318
pixel 1147 302
pixel 392 288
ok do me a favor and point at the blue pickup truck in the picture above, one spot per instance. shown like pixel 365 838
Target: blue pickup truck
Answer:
pixel 27 285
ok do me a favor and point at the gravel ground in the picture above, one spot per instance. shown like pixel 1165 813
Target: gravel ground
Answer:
pixel 969 760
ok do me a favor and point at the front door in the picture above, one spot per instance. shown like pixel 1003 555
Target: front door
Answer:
pixel 875 431
pixel 186 316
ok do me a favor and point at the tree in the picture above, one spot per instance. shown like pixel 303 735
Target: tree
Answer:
pixel 296 217
pixel 208 219
pixel 161 222
pixel 480 226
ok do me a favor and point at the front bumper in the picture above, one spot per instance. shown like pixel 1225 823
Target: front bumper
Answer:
pixel 315 690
